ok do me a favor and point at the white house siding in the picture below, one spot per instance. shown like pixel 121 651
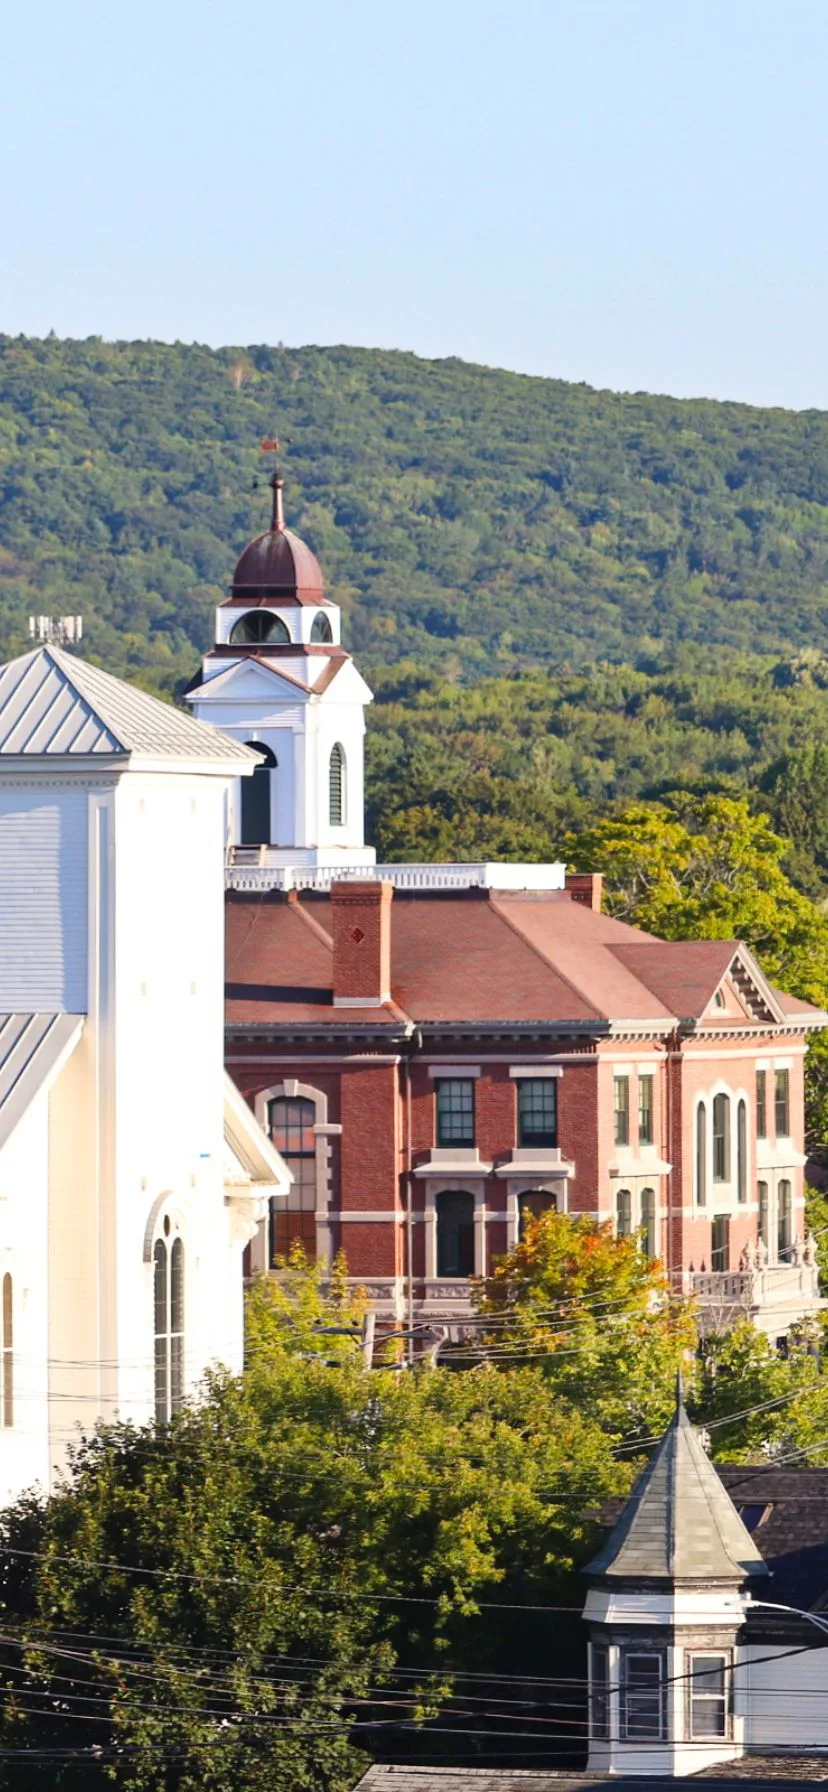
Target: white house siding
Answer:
pixel 24 1448
pixel 786 1696
pixel 43 878
pixel 165 1029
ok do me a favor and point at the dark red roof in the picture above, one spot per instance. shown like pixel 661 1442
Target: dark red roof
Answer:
pixel 471 958
pixel 277 565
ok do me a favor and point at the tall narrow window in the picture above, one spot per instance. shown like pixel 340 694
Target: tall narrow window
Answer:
pixel 764 1215
pixel 293 1132
pixel 645 1110
pixel 643 1707
pixel 321 630
pixel 455 1111
pixel 782 1103
pixel 623 1213
pixel 761 1104
pixel 701 1154
pixel 455 1233
pixel 720 1243
pixel 537 1111
pixel 168 1266
pixel 621 1087
pixel 708 1697
pixel 784 1221
pixel 336 787
pixel 599 1691
pixel 649 1240
pixel 741 1151
pixel 255 799
pixel 721 1138
pixel 7 1381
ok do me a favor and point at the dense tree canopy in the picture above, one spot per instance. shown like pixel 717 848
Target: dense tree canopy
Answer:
pixel 463 515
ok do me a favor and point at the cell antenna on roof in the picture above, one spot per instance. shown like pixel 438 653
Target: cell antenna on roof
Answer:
pixel 56 631
pixel 272 445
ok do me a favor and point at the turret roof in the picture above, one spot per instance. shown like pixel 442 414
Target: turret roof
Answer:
pixel 679 1524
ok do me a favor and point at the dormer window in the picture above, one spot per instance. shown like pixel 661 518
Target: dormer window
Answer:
pixel 259 628
pixel 321 630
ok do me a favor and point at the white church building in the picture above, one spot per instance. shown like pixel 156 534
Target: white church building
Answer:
pixel 132 1174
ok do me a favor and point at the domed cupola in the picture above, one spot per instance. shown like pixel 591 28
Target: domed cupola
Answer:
pixel 277 566
pixel 277 678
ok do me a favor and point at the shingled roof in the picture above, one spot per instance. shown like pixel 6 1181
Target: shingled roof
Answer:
pixel 679 1523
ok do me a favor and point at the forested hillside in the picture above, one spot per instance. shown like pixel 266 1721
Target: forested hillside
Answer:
pixel 466 518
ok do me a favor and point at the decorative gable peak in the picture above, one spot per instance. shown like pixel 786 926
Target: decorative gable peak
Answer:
pixel 679 1524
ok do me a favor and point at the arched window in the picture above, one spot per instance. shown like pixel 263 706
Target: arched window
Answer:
pixel 321 630
pixel 784 1221
pixel 7 1379
pixel 259 628
pixel 649 1236
pixel 721 1138
pixel 255 799
pixel 455 1233
pixel 764 1215
pixel 701 1154
pixel 168 1277
pixel 741 1151
pixel 292 1122
pixel 532 1206
pixel 336 787
pixel 623 1213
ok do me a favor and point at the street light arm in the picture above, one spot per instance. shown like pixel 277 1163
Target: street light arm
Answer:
pixel 794 1611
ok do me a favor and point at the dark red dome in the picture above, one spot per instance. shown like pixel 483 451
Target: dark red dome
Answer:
pixel 278 565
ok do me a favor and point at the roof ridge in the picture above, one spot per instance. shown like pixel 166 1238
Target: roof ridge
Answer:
pixel 532 947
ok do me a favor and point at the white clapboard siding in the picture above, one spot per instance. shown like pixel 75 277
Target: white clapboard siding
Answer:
pixel 43 901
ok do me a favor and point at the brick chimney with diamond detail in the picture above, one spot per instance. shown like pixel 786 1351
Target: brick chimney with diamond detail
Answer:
pixel 361 944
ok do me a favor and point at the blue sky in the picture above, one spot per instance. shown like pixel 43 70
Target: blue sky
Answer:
pixel 627 192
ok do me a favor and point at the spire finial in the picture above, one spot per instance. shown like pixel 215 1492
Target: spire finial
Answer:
pixel 271 445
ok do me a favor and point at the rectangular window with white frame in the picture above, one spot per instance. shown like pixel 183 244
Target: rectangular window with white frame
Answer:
pixel 621 1104
pixel 643 1687
pixel 645 1110
pixel 709 1692
pixel 455 1111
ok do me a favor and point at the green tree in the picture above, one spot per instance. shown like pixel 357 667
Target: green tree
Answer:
pixel 229 1601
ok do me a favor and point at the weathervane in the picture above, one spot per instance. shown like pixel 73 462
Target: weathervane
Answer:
pixel 273 445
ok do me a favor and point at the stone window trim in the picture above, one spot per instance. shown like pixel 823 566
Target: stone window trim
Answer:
pixel 453 1072
pixel 324 1130
pixel 530 1071
pixel 555 1186
pixel 467 1185
pixel 636 1186
pixel 724 1193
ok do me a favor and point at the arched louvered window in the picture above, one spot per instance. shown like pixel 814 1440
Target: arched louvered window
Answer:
pixel 321 630
pixel 7 1379
pixel 336 787
pixel 168 1263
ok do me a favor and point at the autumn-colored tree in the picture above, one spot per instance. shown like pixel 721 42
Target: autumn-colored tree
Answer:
pixel 598 1318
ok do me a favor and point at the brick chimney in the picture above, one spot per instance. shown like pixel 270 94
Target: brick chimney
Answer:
pixel 361 944
pixel 586 887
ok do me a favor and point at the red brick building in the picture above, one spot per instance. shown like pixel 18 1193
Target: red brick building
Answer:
pixel 435 1063
pixel 439 1049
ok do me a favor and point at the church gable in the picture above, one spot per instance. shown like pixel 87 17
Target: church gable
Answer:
pixel 249 680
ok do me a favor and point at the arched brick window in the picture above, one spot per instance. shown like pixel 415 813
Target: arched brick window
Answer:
pixel 532 1206
pixel 623 1213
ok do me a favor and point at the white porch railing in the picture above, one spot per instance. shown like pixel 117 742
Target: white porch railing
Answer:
pixel 257 868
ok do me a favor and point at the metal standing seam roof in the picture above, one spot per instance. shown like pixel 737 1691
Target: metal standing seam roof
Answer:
pixel 53 705
pixel 679 1523
pixel 32 1048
